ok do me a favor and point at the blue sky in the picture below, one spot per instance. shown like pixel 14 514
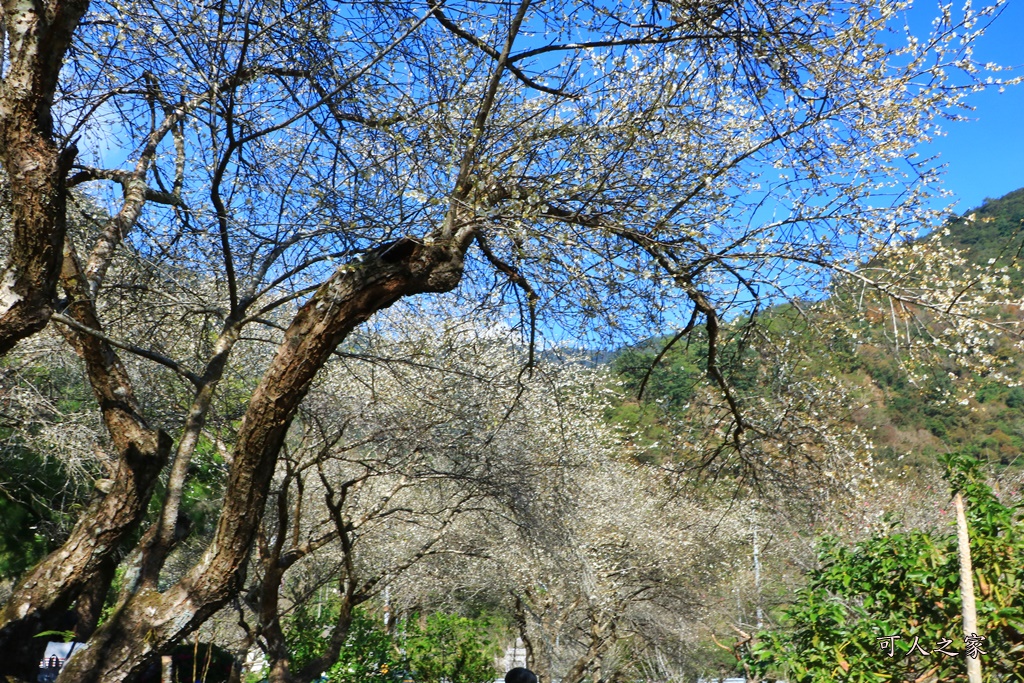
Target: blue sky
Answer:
pixel 985 156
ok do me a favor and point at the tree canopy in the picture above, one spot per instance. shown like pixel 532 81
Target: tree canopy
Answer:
pixel 205 201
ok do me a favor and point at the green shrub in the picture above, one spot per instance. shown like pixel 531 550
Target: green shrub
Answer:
pixel 907 584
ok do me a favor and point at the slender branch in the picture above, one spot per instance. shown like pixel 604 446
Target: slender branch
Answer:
pixel 131 348
pixel 491 52
pixel 136 189
pixel 685 281
pixel 520 281
pixel 87 174
pixel 647 40
pixel 661 354
pixel 342 86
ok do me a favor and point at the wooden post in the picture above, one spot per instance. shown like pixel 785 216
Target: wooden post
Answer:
pixel 757 584
pixel 970 613
pixel 167 669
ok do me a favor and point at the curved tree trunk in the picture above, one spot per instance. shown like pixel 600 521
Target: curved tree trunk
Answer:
pixel 147 622
pixel 34 38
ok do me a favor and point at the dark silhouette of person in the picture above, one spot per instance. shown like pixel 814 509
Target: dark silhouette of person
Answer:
pixel 520 675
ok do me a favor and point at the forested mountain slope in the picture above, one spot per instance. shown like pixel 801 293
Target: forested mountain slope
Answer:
pixel 909 417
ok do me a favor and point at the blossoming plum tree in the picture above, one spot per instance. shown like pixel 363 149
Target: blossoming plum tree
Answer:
pixel 286 171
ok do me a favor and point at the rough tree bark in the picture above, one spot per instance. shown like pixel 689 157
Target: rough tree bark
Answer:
pixel 82 568
pixel 36 36
pixel 52 585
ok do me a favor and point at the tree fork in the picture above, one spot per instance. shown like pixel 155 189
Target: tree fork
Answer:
pixel 148 622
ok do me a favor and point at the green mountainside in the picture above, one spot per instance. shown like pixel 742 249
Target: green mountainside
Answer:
pixel 993 232
pixel 910 422
pixel 920 420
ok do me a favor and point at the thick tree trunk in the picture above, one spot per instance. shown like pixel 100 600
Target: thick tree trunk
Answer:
pixel 37 38
pixel 148 622
pixel 53 584
pixel 89 605
pixel 279 672
pixel 28 284
pixel 50 587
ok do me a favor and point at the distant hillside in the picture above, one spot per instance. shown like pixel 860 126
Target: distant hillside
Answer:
pixel 992 231
pixel 909 422
pixel 916 420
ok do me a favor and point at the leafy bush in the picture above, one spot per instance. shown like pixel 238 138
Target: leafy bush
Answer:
pixel 369 653
pixel 440 647
pixel 1015 398
pixel 907 584
pixel 451 648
